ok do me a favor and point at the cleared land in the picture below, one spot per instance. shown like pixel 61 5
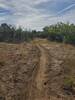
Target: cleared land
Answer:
pixel 40 70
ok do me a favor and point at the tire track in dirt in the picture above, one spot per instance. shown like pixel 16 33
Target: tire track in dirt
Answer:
pixel 39 91
pixel 40 78
pixel 49 69
pixel 41 72
pixel 21 74
pixel 53 73
pixel 24 85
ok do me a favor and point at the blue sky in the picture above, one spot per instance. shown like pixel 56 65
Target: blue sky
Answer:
pixel 35 14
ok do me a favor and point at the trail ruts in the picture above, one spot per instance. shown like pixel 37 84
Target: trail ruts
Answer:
pixel 38 90
pixel 55 73
pixel 24 75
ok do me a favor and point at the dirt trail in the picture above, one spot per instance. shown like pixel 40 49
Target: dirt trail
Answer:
pixel 41 72
pixel 40 77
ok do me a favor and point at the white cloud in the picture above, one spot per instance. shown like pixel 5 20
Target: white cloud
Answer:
pixel 25 14
pixel 2 18
pixel 40 1
pixel 3 6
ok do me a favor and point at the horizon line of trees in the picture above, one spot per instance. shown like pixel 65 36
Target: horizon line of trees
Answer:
pixel 59 32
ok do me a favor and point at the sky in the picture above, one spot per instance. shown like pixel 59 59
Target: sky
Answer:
pixel 36 14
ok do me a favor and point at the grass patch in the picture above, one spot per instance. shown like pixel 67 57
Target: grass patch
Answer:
pixel 69 85
pixel 69 81
pixel 2 63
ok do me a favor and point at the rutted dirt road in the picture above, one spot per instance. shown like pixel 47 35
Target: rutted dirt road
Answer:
pixel 37 90
pixel 37 71
pixel 41 77
pixel 42 68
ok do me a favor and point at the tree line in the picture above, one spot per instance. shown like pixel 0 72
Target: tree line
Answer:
pixel 9 33
pixel 59 32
